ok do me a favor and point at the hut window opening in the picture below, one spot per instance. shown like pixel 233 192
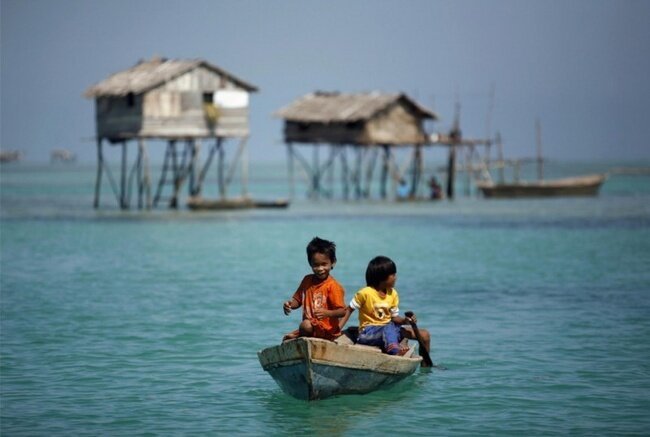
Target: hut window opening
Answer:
pixel 130 100
pixel 208 98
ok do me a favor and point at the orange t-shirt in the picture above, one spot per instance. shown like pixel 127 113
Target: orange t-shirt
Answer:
pixel 327 294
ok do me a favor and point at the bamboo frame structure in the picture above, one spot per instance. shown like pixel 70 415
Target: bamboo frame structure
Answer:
pixel 179 167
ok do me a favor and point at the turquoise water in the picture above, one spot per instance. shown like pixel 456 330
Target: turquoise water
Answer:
pixel 133 323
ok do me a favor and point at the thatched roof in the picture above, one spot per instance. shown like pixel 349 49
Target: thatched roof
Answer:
pixel 333 107
pixel 146 75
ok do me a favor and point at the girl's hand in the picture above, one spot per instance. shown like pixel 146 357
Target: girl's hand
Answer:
pixel 410 317
pixel 287 307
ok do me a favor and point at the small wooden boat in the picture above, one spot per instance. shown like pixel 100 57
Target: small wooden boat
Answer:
pixel 313 368
pixel 276 203
pixel 199 203
pixel 575 186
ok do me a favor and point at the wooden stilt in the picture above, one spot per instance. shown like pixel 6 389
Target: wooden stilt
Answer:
pixel 306 167
pixel 220 171
pixel 100 166
pixel 330 172
pixel 316 172
pixel 167 162
pixel 357 172
pixel 370 166
pixel 240 155
pixel 344 173
pixel 140 177
pixel 123 203
pixel 468 156
pixel 417 170
pixel 147 174
pixel 136 173
pixel 109 174
pixel 451 171
pixel 173 201
pixel 290 165
pixel 206 166
pixel 244 167
pixel 195 147
pixel 384 171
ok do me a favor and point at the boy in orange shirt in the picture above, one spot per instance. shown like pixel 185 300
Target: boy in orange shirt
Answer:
pixel 319 294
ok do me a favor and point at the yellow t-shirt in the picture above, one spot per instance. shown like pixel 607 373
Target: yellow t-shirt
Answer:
pixel 374 309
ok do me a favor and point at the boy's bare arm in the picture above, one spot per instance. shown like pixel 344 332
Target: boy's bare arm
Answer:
pixel 289 305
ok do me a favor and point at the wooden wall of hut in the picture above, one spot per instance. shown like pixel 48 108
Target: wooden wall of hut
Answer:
pixel 331 133
pixel 176 109
pixel 397 125
pixel 394 126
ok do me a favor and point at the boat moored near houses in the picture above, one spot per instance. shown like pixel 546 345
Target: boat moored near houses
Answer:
pixel 588 185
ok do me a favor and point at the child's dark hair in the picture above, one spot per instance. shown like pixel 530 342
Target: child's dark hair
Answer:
pixel 379 269
pixel 318 245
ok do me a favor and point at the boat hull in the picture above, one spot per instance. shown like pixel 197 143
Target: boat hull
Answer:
pixel 311 368
pixel 198 203
pixel 579 186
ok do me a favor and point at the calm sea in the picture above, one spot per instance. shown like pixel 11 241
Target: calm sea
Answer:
pixel 148 323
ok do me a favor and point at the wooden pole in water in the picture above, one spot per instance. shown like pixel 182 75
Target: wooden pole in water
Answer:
pixel 123 176
pixel 417 169
pixel 244 167
pixel 357 172
pixel 290 164
pixel 139 176
pixel 501 163
pixel 206 166
pixel 194 155
pixel 100 165
pixel 370 166
pixel 344 172
pixel 384 171
pixel 163 174
pixel 540 158
pixel 220 170
pixel 315 171
pixel 330 171
pixel 451 171
pixel 173 202
pixel 147 175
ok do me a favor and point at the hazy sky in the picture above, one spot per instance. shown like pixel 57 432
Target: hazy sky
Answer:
pixel 582 67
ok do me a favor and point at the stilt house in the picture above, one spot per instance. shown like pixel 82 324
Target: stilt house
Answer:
pixel 369 124
pixel 177 101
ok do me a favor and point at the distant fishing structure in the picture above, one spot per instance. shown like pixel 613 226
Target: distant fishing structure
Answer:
pixel 370 127
pixel 182 102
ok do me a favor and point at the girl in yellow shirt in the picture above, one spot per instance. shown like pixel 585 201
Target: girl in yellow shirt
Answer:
pixel 378 303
